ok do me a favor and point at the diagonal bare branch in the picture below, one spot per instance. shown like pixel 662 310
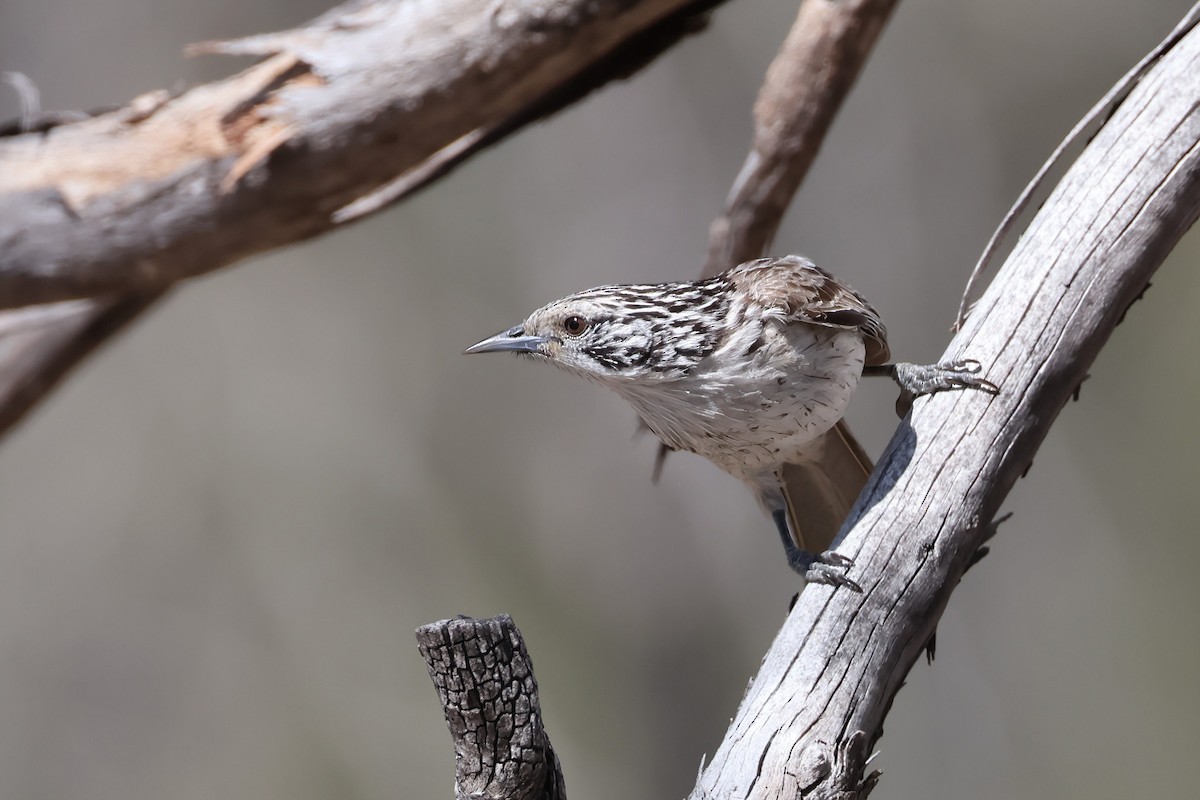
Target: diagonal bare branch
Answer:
pixel 371 94
pixel 807 725
pixel 172 187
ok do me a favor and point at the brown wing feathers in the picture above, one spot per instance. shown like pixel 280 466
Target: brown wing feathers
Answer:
pixel 806 293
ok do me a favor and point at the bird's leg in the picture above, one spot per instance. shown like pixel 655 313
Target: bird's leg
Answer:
pixel 823 568
pixel 920 379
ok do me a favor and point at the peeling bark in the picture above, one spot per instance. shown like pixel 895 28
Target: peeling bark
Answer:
pixel 372 100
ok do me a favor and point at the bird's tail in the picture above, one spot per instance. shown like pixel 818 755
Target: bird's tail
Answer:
pixel 821 490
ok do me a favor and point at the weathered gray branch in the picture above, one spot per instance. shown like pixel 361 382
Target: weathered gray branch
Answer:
pixel 382 93
pixel 808 723
pixel 172 187
pixel 484 680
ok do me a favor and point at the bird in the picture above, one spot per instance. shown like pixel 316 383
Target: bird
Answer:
pixel 752 369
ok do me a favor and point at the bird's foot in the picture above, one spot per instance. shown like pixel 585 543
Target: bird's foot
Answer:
pixel 919 379
pixel 827 568
pixel 916 380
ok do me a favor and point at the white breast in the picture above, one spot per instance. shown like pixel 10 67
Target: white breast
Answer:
pixel 751 408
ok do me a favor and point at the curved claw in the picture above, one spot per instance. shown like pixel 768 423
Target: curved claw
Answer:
pixel 829 575
pixel 968 365
pixel 827 568
pixel 834 559
pixel 962 374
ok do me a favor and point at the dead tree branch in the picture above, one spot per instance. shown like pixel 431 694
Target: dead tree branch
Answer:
pixel 372 100
pixel 808 724
pixel 484 680
pixel 172 187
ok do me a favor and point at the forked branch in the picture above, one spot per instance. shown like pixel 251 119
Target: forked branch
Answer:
pixel 808 724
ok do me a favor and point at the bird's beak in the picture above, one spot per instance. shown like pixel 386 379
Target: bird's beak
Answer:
pixel 512 340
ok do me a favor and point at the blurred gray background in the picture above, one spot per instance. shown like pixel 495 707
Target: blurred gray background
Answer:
pixel 216 540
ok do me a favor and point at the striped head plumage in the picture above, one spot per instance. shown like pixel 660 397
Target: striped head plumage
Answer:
pixel 627 332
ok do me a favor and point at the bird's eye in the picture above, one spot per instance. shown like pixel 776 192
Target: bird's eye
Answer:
pixel 575 325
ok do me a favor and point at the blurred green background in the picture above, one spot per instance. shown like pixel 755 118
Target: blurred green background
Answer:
pixel 216 540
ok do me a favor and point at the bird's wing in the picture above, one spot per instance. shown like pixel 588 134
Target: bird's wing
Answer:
pixel 803 292
pixel 821 490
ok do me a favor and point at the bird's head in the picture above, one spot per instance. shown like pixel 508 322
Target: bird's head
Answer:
pixel 613 333
pixel 581 336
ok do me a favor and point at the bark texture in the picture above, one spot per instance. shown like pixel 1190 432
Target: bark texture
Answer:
pixel 484 680
pixel 356 110
pixel 808 723
pixel 171 187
